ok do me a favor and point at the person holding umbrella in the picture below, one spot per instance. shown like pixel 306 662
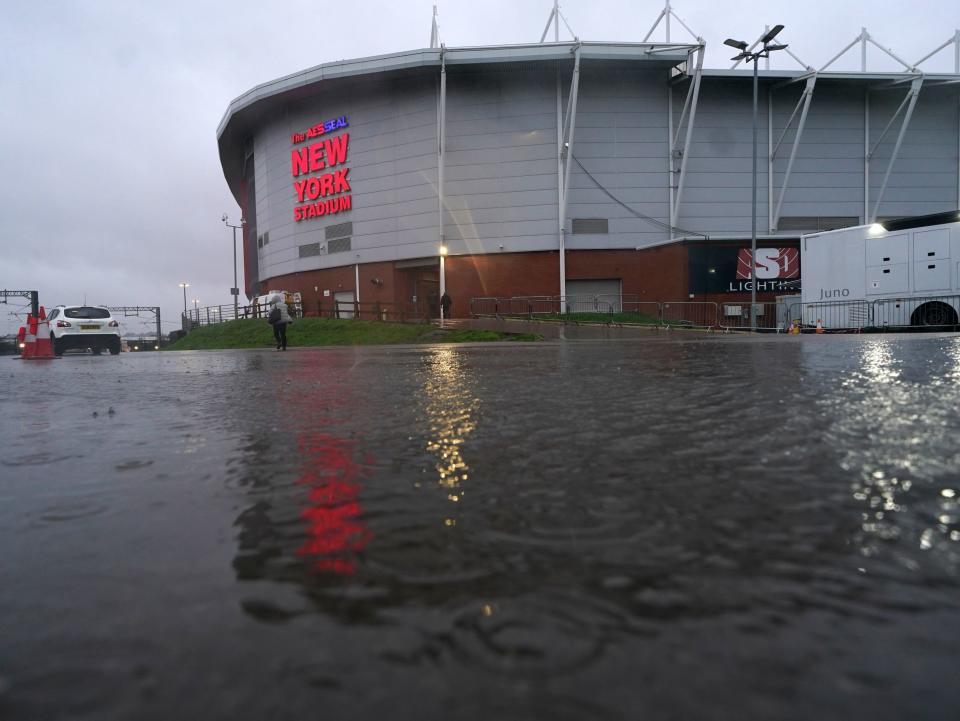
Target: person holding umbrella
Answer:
pixel 279 318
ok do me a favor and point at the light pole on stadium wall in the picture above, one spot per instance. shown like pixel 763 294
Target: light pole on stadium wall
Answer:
pixel 235 290
pixel 754 56
pixel 443 278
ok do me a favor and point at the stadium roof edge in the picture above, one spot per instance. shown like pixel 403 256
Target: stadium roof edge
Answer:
pixel 829 74
pixel 671 53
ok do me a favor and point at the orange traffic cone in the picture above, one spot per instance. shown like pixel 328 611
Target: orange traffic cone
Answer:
pixel 44 348
pixel 819 326
pixel 29 339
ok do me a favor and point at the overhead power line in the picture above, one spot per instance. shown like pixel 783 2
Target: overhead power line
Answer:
pixel 636 213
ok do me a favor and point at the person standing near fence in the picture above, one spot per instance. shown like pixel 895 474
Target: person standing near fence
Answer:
pixel 279 318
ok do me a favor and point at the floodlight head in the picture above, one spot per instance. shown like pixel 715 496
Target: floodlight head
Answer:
pixel 774 31
pixel 738 44
pixel 224 218
pixel 741 56
pixel 769 48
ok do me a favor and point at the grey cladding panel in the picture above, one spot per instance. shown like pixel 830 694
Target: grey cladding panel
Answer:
pixel 501 161
pixel 817 224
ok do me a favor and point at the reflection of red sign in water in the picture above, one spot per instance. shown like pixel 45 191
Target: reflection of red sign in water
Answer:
pixel 330 474
pixel 334 516
pixel 770 263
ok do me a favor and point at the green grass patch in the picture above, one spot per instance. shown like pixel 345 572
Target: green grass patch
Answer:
pixel 310 332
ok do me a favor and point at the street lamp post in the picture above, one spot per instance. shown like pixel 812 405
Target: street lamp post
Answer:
pixel 235 290
pixel 184 285
pixel 196 309
pixel 754 57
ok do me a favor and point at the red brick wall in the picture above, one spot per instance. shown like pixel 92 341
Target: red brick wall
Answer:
pixel 659 274
pixel 501 274
pixel 337 280
pixel 653 274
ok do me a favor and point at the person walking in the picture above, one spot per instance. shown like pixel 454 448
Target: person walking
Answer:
pixel 279 318
pixel 445 303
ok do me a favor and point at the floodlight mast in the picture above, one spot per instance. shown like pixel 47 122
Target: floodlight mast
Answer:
pixel 754 57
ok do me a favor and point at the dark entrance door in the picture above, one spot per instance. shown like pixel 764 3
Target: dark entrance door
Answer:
pixel 421 294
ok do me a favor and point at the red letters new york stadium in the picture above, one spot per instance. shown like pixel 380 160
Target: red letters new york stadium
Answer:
pixel 329 192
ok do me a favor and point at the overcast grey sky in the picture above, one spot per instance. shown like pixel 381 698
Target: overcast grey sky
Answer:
pixel 111 186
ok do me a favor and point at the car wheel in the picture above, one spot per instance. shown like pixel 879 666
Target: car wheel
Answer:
pixel 57 346
pixel 115 347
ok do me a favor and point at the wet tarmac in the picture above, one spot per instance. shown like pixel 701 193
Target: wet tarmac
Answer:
pixel 680 527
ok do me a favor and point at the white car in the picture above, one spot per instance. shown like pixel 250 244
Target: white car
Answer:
pixel 82 327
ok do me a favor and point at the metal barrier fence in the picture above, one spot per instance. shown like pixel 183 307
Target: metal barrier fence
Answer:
pixel 940 311
pixel 601 308
pixel 836 315
pixel 935 311
pixel 642 312
pixel 392 312
pixel 766 316
pixel 690 313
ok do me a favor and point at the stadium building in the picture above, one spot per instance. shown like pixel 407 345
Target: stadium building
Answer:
pixel 564 169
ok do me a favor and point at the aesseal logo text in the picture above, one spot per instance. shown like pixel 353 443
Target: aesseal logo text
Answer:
pixel 326 192
pixel 319 129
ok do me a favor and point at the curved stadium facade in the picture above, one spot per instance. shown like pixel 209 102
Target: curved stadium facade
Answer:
pixel 561 169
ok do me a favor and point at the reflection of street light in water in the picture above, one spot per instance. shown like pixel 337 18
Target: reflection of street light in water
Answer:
pixel 449 409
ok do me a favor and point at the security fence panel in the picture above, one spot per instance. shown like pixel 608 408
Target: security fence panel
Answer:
pixel 518 306
pixel 691 313
pixel 641 312
pixel 592 305
pixel 737 315
pixel 837 315
pixel 484 307
pixel 940 311
pixel 544 305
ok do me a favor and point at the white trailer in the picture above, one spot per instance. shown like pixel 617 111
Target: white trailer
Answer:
pixel 903 272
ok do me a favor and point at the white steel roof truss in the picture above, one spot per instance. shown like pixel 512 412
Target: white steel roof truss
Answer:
pixel 665 16
pixel 566 154
pixel 910 102
pixel 803 102
pixel 689 105
pixel 434 30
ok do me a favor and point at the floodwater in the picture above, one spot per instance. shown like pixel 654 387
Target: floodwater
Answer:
pixel 683 527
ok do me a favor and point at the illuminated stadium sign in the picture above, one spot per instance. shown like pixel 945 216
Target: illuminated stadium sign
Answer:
pixel 325 190
pixel 726 269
